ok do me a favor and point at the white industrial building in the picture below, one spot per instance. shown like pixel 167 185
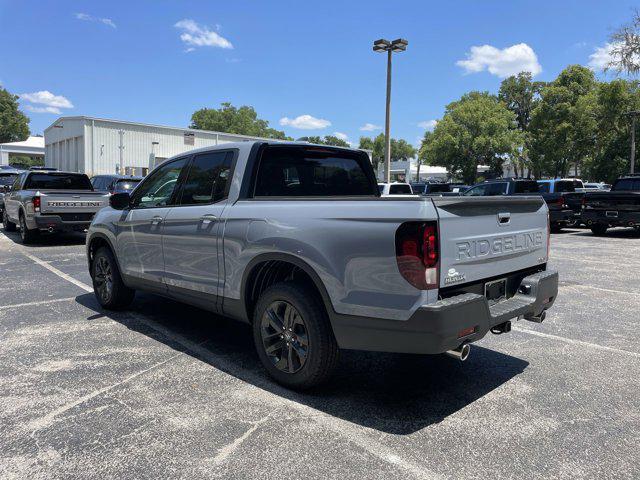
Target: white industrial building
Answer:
pixel 99 146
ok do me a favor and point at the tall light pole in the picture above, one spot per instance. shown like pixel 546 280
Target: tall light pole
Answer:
pixel 634 115
pixel 382 45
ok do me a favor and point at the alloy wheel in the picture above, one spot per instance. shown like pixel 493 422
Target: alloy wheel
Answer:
pixel 103 279
pixel 284 336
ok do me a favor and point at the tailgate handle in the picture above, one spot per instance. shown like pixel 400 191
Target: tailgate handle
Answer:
pixel 504 218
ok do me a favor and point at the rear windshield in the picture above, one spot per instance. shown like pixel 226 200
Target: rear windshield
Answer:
pixel 439 187
pixel 526 187
pixel 565 186
pixel 7 178
pixel 307 171
pixel 400 189
pixel 632 184
pixel 125 184
pixel 58 181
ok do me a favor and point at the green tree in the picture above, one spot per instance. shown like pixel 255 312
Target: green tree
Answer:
pixel 520 94
pixel 475 130
pixel 14 125
pixel 326 140
pixel 563 123
pixel 230 119
pixel 400 149
pixel 624 47
pixel 422 158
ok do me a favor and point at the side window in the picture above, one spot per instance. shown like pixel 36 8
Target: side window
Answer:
pixel 158 188
pixel 494 189
pixel 207 179
pixel 478 191
pixel 543 187
pixel 17 182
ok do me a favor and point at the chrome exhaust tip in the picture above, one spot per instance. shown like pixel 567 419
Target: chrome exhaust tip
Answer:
pixel 50 229
pixel 461 353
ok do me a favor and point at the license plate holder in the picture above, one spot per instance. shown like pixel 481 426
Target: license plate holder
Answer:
pixel 612 214
pixel 495 291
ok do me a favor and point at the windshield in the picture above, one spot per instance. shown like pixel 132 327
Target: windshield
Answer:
pixel 124 185
pixel 7 178
pixel 58 181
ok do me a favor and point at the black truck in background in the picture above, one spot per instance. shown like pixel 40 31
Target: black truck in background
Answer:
pixel 564 202
pixel 619 207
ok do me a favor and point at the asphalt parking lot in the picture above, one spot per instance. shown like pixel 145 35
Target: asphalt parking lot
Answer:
pixel 166 390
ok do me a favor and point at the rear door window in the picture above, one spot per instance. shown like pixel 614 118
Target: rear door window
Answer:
pixel 565 186
pixel 632 184
pixel 58 181
pixel 526 187
pixel 543 187
pixel 208 178
pixel 497 188
pixel 292 171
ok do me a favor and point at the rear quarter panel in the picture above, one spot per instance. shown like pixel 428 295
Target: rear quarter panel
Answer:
pixel 350 244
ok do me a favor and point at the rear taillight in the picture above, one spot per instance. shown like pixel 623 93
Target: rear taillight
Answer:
pixel 36 203
pixel 417 253
pixel 548 235
pixel 561 201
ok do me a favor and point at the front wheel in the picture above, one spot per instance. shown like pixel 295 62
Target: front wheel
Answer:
pixel 8 225
pixel 293 336
pixel 599 229
pixel 108 286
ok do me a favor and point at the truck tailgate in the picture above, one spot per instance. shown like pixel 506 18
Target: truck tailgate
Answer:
pixel 485 237
pixel 70 201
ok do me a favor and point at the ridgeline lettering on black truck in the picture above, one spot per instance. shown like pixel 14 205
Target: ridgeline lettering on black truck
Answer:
pixel 296 240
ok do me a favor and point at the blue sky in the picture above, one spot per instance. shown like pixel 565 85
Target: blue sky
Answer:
pixel 300 64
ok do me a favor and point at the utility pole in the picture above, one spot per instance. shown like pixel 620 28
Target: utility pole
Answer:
pixel 382 45
pixel 632 167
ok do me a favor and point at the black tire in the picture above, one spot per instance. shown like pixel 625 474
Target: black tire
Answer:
pixel 8 226
pixel 311 325
pixel 26 235
pixel 599 229
pixel 108 286
pixel 556 228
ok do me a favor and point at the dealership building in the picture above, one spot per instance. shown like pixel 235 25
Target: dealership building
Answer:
pixel 99 146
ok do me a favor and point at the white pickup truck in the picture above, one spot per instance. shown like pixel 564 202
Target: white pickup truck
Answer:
pixel 296 240
pixel 50 201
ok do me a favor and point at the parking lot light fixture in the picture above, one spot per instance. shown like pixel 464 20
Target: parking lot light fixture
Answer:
pixel 379 46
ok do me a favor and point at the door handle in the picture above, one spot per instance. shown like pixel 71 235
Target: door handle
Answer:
pixel 208 218
pixel 156 220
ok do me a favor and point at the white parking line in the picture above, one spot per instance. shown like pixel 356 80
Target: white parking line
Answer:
pixel 60 273
pixel 40 302
pixel 575 342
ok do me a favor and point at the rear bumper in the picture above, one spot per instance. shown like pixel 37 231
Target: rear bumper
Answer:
pixel 55 223
pixel 621 219
pixel 434 328
pixel 562 217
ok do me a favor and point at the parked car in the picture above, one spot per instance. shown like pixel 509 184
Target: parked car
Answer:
pixel 7 177
pixel 565 204
pixel 596 187
pixel 430 187
pixel 50 201
pixel 503 186
pixel 114 183
pixel 296 240
pixel 395 188
pixel 619 207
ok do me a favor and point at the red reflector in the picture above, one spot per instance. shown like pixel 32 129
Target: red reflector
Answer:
pixel 466 331
pixel 36 203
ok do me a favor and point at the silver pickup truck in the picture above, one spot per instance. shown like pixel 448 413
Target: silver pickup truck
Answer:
pixel 50 201
pixel 296 240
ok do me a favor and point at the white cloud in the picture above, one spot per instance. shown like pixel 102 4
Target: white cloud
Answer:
pixel 196 35
pixel 305 122
pixel 31 108
pixel 428 124
pixel 503 63
pixel 46 98
pixel 601 57
pixel 370 127
pixel 341 136
pixel 90 18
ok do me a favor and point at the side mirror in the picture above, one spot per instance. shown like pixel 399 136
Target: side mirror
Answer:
pixel 119 201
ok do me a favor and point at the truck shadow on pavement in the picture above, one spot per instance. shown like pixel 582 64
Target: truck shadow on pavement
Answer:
pixel 48 240
pixel 393 393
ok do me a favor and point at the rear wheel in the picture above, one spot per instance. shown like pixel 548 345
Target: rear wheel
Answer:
pixel 108 286
pixel 26 235
pixel 8 225
pixel 599 229
pixel 293 336
pixel 556 228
